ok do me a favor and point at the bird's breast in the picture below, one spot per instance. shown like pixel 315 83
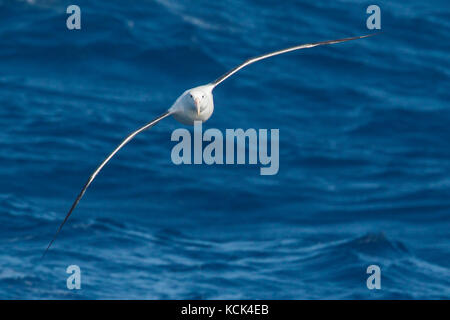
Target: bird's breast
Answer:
pixel 188 115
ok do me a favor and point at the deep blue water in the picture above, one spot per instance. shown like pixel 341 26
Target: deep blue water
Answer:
pixel 364 151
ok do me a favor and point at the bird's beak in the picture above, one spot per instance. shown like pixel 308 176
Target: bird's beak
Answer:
pixel 197 105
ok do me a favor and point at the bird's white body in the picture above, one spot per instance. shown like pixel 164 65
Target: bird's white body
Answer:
pixel 196 104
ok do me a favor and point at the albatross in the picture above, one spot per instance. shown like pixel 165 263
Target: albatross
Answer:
pixel 195 104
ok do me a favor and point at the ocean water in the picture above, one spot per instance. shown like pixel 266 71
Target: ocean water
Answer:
pixel 364 173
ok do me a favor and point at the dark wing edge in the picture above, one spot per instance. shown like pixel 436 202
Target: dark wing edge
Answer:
pixel 275 53
pixel 94 174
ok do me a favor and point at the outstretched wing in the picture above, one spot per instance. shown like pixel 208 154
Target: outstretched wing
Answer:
pixel 268 55
pixel 94 174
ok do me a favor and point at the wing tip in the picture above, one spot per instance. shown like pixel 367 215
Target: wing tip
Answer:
pixel 46 250
pixel 371 34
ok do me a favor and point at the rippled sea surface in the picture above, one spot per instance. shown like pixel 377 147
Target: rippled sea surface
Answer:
pixel 364 172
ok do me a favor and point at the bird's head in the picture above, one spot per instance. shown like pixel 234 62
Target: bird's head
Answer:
pixel 198 99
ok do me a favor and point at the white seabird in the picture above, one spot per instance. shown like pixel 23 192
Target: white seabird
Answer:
pixel 196 104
